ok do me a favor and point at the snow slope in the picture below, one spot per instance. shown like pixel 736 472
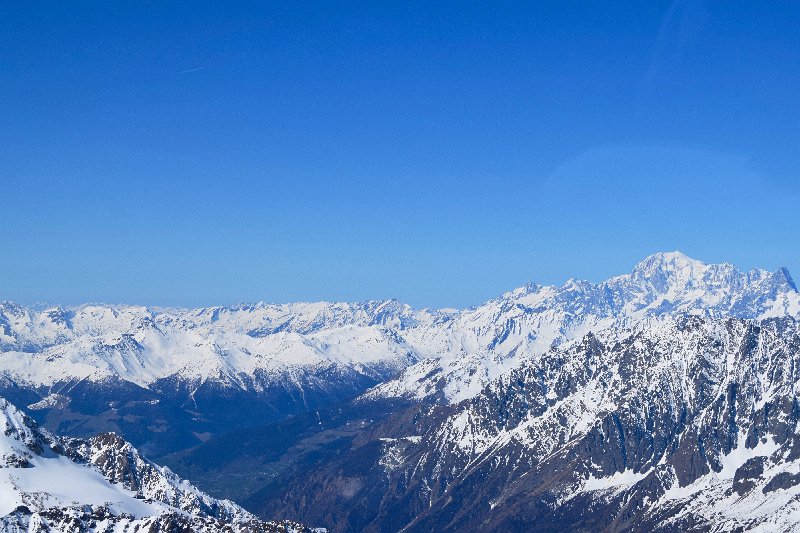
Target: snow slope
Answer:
pixel 142 345
pixel 68 484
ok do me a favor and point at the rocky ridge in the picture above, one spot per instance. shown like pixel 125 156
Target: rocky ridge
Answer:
pixel 50 483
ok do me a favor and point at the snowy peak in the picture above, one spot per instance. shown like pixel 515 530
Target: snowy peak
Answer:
pixel 782 279
pixel 673 282
pixel 487 340
pixel 667 262
pixel 685 284
pixel 21 439
pixel 668 283
pixel 674 272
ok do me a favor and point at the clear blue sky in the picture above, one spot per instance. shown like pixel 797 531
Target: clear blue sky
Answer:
pixel 436 152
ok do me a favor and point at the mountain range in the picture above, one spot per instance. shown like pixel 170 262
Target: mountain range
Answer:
pixel 663 399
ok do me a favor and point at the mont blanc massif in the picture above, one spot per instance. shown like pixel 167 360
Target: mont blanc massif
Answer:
pixel 662 400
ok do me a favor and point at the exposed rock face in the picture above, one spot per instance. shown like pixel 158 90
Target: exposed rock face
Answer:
pixel 92 520
pixel 687 424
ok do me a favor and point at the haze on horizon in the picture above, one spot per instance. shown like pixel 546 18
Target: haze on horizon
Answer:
pixel 441 155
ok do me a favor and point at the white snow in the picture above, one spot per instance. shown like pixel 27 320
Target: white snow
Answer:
pixel 58 482
pixel 36 472
pixel 452 353
pixel 622 479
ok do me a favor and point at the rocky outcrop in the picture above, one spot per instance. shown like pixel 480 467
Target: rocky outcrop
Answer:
pixel 671 425
pixel 103 484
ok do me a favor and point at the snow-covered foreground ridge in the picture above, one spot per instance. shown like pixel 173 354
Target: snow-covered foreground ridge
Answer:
pixel 449 355
pixel 50 483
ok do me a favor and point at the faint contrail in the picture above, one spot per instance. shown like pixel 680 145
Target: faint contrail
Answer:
pixel 190 70
pixel 680 29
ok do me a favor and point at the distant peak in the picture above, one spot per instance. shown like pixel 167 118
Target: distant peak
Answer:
pixel 666 261
pixel 675 257
pixel 526 289
pixel 782 274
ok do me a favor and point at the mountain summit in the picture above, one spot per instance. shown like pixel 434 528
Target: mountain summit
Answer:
pixel 680 283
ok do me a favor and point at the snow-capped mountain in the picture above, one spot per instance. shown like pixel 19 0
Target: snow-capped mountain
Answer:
pixel 48 483
pixel 671 424
pixel 140 371
pixel 141 345
pixel 170 378
pixel 465 351
pixel 662 399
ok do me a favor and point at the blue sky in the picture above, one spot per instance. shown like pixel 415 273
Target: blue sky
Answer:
pixel 440 153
